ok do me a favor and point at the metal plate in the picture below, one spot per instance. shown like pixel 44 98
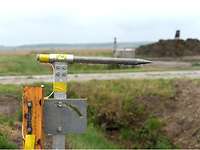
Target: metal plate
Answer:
pixel 65 116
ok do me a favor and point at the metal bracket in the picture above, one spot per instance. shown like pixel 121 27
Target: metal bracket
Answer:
pixel 65 116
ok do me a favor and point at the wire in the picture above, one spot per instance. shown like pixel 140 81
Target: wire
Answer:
pixel 47 97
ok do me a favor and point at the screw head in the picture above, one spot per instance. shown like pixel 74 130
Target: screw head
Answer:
pixel 59 104
pixel 59 129
pixel 29 104
pixel 29 129
pixel 57 74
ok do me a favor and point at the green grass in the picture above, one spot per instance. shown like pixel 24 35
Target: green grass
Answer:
pixel 119 105
pixel 5 120
pixel 13 89
pixel 93 138
pixel 28 65
pixel 21 65
pixel 5 143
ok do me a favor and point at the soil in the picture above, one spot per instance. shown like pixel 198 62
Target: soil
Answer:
pixel 9 105
pixel 181 113
pixel 170 48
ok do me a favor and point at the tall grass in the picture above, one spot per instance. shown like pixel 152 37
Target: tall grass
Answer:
pixel 93 138
pixel 118 106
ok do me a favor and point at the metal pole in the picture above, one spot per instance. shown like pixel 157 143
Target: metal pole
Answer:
pixel 60 77
pixel 51 58
pixel 109 60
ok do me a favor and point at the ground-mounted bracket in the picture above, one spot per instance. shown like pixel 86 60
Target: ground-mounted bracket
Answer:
pixel 65 116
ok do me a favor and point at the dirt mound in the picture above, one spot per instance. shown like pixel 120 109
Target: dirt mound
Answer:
pixel 181 113
pixel 9 105
pixel 170 48
pixel 183 122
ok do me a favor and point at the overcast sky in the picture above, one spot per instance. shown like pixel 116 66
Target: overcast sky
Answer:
pixel 86 21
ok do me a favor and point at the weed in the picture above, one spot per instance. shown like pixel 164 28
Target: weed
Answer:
pixel 93 138
pixel 5 143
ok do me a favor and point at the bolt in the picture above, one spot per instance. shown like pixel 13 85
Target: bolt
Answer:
pixel 59 104
pixel 57 74
pixel 59 129
pixel 29 104
pixel 64 68
pixel 29 129
pixel 64 74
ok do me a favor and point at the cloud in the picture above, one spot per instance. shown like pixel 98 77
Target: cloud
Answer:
pixel 71 21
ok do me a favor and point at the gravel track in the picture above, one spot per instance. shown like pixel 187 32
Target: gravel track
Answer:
pixel 101 76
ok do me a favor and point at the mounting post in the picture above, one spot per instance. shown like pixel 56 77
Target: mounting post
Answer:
pixel 60 89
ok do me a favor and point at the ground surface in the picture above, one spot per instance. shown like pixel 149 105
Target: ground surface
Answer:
pixel 102 76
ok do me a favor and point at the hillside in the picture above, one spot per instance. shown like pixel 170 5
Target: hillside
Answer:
pixel 170 48
pixel 108 45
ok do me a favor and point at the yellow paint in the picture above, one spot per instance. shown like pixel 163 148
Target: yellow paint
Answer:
pixel 43 58
pixel 60 87
pixel 29 141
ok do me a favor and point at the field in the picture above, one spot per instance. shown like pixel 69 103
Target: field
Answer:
pixel 124 113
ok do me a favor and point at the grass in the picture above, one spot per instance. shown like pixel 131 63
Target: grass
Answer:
pixel 117 106
pixel 5 143
pixel 93 138
pixel 26 64
pixel 5 120
pixel 21 65
pixel 8 89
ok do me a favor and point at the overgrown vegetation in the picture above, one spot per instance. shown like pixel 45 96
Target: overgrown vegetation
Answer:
pixel 115 107
pixel 21 65
pixel 94 138
pixel 125 113
pixel 5 143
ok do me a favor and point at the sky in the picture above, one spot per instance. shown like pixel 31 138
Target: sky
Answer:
pixel 96 21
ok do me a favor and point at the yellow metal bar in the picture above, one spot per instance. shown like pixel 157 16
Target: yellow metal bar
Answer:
pixel 48 58
pixel 43 58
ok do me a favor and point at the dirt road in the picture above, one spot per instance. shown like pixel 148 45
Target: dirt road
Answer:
pixel 101 76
